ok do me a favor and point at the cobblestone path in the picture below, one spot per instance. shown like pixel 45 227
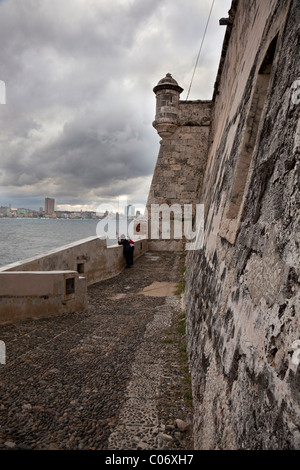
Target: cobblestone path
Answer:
pixel 106 378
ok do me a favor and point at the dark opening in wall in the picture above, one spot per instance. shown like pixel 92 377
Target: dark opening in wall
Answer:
pixel 70 285
pixel 80 268
pixel 251 131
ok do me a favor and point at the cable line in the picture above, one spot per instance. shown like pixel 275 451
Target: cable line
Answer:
pixel 200 48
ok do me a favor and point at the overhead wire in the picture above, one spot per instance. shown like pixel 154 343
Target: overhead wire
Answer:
pixel 200 49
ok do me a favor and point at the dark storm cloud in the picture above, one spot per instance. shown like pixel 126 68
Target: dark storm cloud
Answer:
pixel 79 76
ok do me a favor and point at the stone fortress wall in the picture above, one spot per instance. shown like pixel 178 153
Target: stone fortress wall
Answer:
pixel 242 289
pixel 181 163
pixel 178 175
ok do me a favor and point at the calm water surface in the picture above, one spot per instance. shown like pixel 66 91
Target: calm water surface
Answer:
pixel 23 238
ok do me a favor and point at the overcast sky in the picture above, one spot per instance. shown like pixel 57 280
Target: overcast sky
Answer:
pixel 79 75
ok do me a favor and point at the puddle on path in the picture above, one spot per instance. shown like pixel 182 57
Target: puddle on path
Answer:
pixel 119 296
pixel 156 289
pixel 160 289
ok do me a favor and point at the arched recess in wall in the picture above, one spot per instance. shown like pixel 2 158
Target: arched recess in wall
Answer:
pixel 250 133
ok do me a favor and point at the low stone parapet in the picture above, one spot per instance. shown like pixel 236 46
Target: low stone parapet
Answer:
pixel 56 282
pixel 38 294
pixel 90 257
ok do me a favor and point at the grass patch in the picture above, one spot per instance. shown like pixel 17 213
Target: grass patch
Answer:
pixel 183 347
pixel 183 357
pixel 168 341
pixel 187 379
pixel 181 329
pixel 175 342
pixel 188 397
pixel 180 287
pixel 166 332
pixel 181 284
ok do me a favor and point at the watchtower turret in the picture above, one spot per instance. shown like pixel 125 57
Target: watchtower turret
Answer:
pixel 167 101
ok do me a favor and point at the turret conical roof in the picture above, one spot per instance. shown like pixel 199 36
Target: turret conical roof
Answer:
pixel 168 82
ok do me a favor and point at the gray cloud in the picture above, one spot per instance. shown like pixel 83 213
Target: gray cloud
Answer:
pixel 79 76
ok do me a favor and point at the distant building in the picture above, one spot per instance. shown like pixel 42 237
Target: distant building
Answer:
pixel 21 212
pixel 129 211
pixel 49 205
pixel 4 211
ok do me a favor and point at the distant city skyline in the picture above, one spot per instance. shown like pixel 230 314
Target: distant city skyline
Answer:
pixel 49 210
pixel 65 207
pixel 50 206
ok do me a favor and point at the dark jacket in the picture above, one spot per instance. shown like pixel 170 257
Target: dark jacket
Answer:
pixel 126 245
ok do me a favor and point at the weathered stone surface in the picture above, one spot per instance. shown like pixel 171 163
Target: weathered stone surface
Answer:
pixel 242 289
pixel 181 425
pixel 239 156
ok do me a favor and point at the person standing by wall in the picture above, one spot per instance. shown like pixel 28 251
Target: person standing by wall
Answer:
pixel 127 250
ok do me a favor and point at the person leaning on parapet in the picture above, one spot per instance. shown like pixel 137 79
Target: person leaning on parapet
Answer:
pixel 127 251
pixel 132 249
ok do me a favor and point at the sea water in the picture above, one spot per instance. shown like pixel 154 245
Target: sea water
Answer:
pixel 22 238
